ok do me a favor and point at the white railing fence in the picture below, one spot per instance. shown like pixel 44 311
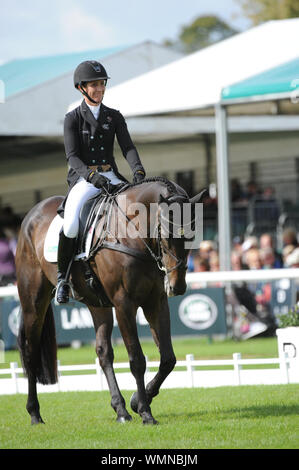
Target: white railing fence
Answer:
pixel 210 277
pixel 191 377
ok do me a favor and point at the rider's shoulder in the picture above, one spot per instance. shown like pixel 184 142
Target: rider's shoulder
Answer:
pixel 112 111
pixel 73 113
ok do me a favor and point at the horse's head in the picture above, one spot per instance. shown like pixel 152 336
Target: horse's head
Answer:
pixel 176 229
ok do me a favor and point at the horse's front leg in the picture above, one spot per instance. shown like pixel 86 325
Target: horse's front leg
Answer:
pixel 157 314
pixel 103 323
pixel 126 317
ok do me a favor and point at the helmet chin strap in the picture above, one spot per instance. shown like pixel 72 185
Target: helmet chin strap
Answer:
pixel 87 95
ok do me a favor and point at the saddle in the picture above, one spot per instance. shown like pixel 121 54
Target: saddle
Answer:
pixel 95 209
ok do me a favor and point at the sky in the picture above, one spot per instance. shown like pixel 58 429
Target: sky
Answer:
pixel 33 28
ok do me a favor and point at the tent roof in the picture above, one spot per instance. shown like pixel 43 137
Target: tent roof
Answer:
pixel 278 80
pixel 196 80
pixel 21 74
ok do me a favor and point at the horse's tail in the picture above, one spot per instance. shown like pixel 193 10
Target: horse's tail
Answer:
pixel 45 363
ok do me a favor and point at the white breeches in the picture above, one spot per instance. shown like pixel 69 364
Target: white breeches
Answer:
pixel 77 196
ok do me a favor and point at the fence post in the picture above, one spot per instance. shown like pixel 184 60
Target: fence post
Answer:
pixel 14 375
pixel 237 367
pixel 284 367
pixel 99 374
pixel 190 368
pixel 58 376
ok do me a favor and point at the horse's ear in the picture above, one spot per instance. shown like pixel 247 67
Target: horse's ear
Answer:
pixel 199 197
pixel 162 199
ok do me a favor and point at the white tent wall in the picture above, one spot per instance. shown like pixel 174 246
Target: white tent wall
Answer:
pixel 196 81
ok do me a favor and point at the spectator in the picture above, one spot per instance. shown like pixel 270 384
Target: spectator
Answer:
pixel 268 260
pixel 289 237
pixel 250 242
pixel 214 262
pixel 7 261
pixel 237 193
pixel 287 250
pixel 200 264
pixel 206 248
pixel 292 260
pixel 237 243
pixel 266 241
pixel 252 259
pixel 236 261
pixel 252 191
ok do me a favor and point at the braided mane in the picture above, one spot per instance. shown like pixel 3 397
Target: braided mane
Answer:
pixel 172 188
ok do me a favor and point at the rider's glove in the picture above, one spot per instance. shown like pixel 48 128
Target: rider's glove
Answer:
pixel 139 175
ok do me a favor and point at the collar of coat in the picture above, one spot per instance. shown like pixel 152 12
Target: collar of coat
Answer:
pixel 89 117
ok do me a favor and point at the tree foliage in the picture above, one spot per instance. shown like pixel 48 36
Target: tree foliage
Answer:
pixel 202 32
pixel 259 11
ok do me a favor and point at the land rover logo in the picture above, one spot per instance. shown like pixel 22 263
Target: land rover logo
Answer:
pixel 198 311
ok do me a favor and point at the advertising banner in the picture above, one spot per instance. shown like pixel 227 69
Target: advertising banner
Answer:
pixel 198 311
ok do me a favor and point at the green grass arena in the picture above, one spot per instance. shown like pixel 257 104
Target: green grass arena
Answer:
pixel 242 417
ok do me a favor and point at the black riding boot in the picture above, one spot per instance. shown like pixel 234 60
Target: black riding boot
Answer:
pixel 65 254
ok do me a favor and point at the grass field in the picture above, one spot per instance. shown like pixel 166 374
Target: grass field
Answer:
pixel 201 348
pixel 252 417
pixel 225 417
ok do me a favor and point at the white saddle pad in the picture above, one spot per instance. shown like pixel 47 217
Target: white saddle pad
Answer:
pixel 52 239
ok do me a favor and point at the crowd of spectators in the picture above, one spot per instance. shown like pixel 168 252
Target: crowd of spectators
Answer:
pixel 250 253
pixel 9 228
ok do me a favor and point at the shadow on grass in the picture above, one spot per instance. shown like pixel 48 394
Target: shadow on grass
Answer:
pixel 249 412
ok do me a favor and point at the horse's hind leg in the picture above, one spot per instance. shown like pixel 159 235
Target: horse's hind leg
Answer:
pixel 36 339
pixel 103 323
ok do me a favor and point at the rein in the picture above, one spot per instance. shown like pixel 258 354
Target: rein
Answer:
pixel 158 258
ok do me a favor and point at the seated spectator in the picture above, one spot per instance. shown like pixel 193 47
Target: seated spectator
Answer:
pixel 253 259
pixel 214 262
pixel 267 241
pixel 268 260
pixel 289 237
pixel 7 261
pixel 292 260
pixel 236 261
pixel 250 242
pixel 206 248
pixel 200 264
pixel 287 250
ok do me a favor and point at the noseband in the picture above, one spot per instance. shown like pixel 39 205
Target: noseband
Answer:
pixel 162 249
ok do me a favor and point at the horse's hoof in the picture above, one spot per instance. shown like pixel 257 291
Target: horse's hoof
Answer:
pixel 124 419
pixel 36 420
pixel 134 402
pixel 149 421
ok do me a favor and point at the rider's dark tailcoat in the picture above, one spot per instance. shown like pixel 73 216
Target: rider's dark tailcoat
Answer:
pixel 89 141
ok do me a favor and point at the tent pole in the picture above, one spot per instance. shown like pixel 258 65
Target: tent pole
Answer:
pixel 223 188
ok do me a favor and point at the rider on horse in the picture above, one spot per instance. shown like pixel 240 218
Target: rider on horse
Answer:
pixel 89 132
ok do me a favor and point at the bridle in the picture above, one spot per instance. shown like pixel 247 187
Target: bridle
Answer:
pixel 162 249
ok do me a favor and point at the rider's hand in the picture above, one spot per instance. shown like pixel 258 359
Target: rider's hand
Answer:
pixel 99 181
pixel 139 175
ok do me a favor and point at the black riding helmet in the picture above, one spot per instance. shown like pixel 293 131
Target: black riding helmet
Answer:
pixel 88 71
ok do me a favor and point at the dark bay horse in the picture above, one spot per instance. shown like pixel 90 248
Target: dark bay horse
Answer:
pixel 129 282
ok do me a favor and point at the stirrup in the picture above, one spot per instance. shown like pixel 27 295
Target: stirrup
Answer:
pixel 62 283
